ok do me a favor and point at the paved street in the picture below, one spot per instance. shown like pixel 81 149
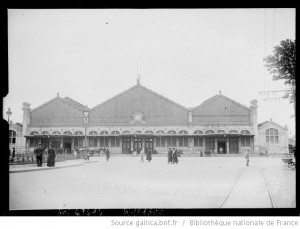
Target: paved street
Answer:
pixel 124 182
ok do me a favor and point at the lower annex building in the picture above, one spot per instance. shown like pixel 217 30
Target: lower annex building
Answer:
pixel 140 118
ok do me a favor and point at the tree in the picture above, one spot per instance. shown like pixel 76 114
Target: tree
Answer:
pixel 282 65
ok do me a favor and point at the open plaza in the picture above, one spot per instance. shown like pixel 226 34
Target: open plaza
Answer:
pixel 125 182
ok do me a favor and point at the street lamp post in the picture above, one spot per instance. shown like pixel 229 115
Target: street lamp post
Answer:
pixel 85 114
pixel 8 112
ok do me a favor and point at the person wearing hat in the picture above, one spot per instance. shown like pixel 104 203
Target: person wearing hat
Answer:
pixel 39 155
pixel 169 155
pixel 51 157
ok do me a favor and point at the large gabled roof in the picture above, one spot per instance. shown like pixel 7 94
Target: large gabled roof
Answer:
pixel 67 100
pixel 132 88
pixel 220 96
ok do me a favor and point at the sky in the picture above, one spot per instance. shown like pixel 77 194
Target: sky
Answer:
pixel 186 55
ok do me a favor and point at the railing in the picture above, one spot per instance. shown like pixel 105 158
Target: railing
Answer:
pixel 30 158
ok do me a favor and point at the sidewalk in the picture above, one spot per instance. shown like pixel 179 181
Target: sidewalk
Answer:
pixel 58 165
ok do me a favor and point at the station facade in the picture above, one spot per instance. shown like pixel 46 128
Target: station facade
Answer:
pixel 141 118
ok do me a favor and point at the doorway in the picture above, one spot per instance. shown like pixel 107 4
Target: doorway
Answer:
pixel 222 147
pixel 67 145
pixel 137 144
pixel 148 144
pixel 126 145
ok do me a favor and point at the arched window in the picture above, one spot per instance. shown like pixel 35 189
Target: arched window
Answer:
pixel 171 132
pixel 272 136
pixel 221 132
pixel 34 133
pixel 103 133
pixel 149 132
pixel 198 132
pixel 115 133
pixel 245 132
pixel 67 133
pixel 92 133
pixel 45 133
pixel 138 132
pixel 126 132
pixel 78 133
pixel 160 132
pixel 12 137
pixel 183 132
pixel 56 133
pixel 209 132
pixel 233 132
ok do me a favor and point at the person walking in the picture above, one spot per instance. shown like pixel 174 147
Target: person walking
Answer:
pixel 247 155
pixel 13 153
pixel 51 157
pixel 169 155
pixel 142 155
pixel 39 155
pixel 175 156
pixel 88 155
pixel 107 152
pixel 75 152
pixel 149 156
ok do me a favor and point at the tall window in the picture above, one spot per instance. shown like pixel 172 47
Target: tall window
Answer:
pixel 171 141
pixel 245 141
pixel 272 136
pixel 160 142
pixel 115 142
pixel 93 142
pixel 198 141
pixel 183 142
pixel 78 142
pixel 104 142
pixel 78 133
pixel 12 137
pixel 33 142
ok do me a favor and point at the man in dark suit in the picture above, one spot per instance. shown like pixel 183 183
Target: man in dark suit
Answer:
pixel 39 155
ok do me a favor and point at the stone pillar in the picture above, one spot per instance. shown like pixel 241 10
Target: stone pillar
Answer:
pixel 216 145
pixel 254 124
pixel 204 143
pixel 154 143
pixel 239 144
pixel 61 143
pixel 131 143
pixel 72 144
pixel 109 142
pixel 227 145
pixel 26 121
pixel 177 142
pixel 143 143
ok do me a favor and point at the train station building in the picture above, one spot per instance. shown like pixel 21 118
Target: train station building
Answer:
pixel 141 118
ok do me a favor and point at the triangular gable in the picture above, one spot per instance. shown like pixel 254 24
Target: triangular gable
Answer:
pixel 56 111
pixel 270 123
pixel 155 108
pixel 221 109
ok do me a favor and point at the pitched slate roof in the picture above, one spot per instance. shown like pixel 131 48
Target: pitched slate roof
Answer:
pixel 58 111
pixel 156 108
pixel 221 109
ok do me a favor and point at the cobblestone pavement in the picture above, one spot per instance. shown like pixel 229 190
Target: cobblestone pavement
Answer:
pixel 124 182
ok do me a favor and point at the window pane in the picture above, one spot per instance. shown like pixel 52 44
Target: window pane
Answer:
pixel 267 139
pixel 271 131
pixel 268 132
pixel 248 141
pixel 200 142
pixel 169 142
pixel 196 142
pixel 276 139
pixel 185 142
pixel 272 139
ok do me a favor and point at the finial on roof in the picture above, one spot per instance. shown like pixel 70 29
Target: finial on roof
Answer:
pixel 138 79
pixel 220 92
pixel 57 95
pixel 270 119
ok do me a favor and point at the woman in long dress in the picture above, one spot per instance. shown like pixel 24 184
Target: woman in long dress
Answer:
pixel 149 157
pixel 51 157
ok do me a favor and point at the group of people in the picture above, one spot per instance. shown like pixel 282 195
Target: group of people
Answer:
pixel 173 154
pixel 39 152
pixel 148 155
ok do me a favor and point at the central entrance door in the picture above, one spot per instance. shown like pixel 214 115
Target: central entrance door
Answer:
pixel 137 144
pixel 222 147
pixel 126 144
pixel 148 144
